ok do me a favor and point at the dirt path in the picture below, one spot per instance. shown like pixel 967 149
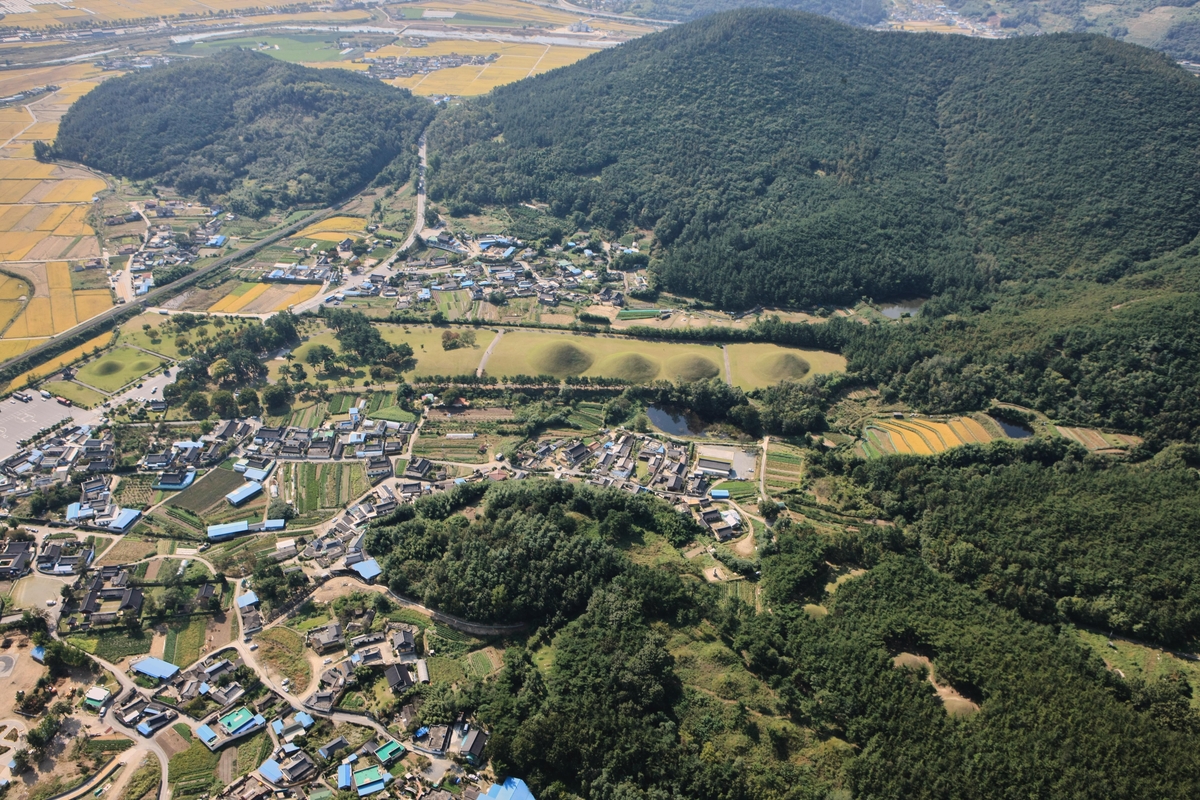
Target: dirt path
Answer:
pixel 487 353
pixel 227 765
pixel 728 367
pixel 132 759
pixel 762 473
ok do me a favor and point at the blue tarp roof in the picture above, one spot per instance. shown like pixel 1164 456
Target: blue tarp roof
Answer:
pixel 144 729
pixel 244 493
pixel 216 532
pixel 368 569
pixel 247 600
pixel 39 653
pixel 271 771
pixel 511 789
pixel 720 494
pixel 206 734
pixel 155 668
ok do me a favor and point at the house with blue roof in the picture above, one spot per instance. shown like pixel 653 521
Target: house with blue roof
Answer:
pixel 155 668
pixel 247 600
pixel 511 789
pixel 368 570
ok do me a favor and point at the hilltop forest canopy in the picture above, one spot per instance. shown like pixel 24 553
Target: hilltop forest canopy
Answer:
pixel 855 12
pixel 265 132
pixel 785 158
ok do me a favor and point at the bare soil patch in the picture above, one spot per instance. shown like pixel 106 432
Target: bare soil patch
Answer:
pixel 744 546
pixel 24 675
pixel 955 704
pixel 87 247
pixel 172 742
pixel 152 569
pixel 227 765
pixel 50 248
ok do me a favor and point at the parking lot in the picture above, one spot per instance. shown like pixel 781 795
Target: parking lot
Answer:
pixel 21 420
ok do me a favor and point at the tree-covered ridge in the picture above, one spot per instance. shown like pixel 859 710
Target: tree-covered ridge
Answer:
pixel 604 700
pixel 786 158
pixel 854 12
pixel 269 132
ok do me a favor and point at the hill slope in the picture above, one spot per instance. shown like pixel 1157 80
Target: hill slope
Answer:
pixel 273 133
pixel 786 158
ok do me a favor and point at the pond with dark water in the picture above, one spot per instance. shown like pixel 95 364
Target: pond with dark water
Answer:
pixel 1013 430
pixel 901 307
pixel 675 422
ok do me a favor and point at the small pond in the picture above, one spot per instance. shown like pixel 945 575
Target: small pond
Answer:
pixel 675 422
pixel 1013 430
pixel 900 308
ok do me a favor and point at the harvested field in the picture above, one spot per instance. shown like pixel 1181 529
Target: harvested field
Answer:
pixel 127 550
pixel 242 295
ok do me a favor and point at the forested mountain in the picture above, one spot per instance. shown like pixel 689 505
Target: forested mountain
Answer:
pixel 855 12
pixel 644 682
pixel 269 132
pixel 785 158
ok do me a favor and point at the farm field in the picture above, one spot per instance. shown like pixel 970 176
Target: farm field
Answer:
pixel 784 467
pixel 55 306
pixel 513 63
pixel 207 491
pixel 242 295
pixel 1098 441
pixel 757 365
pixel 921 436
pixel 560 355
pixel 322 488
pixel 334 229
pixel 116 368
pixel 185 640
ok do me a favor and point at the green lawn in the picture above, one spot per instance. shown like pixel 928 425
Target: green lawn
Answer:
pixel 116 368
pixel 77 394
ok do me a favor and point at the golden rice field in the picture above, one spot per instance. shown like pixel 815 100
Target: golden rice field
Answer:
pixel 515 61
pixel 103 11
pixel 65 359
pixel 334 229
pixel 61 310
pixel 922 437
pixel 301 294
pixel 241 296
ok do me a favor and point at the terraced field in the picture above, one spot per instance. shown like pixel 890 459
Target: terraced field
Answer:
pixel 920 436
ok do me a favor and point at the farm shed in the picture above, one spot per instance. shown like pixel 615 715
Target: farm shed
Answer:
pixel 217 533
pixel 243 493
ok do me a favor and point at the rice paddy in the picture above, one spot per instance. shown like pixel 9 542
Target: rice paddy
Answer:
pixel 922 437
pixel 44 211
pixel 513 62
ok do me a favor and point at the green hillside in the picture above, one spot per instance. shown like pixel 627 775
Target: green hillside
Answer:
pixel 862 12
pixel 785 158
pixel 268 132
